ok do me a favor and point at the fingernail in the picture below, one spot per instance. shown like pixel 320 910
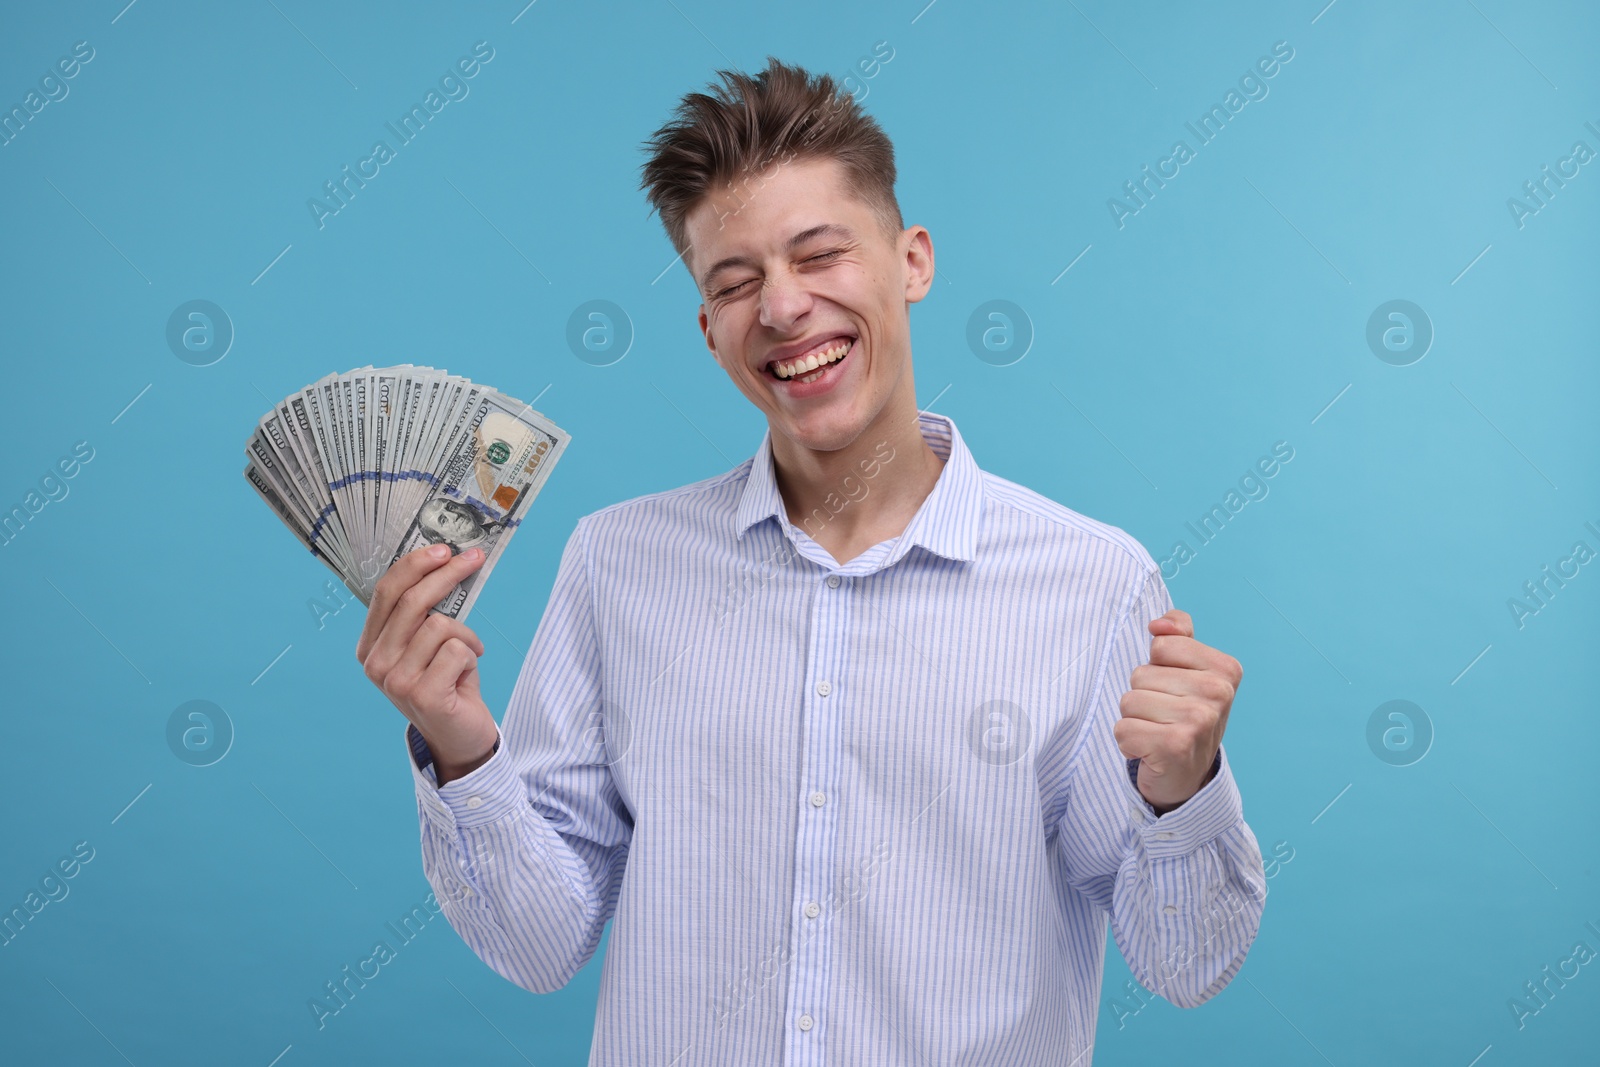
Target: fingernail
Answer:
pixel 473 554
pixel 439 551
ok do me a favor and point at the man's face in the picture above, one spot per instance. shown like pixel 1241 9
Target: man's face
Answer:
pixel 453 522
pixel 846 283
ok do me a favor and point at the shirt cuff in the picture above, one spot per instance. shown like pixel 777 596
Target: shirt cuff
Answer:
pixel 1210 812
pixel 485 794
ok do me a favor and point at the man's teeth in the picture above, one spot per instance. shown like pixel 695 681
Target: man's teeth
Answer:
pixel 793 367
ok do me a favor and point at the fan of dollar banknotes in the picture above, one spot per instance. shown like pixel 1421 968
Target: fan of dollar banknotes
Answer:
pixel 367 465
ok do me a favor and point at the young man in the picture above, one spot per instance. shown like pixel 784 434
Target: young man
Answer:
pixel 860 745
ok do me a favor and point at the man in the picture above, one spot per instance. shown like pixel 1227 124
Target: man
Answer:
pixel 453 523
pixel 859 745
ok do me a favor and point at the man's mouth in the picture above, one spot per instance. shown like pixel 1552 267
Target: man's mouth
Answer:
pixel 810 367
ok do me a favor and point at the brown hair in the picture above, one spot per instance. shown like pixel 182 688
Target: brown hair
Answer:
pixel 777 116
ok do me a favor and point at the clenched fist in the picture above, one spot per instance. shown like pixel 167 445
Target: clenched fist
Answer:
pixel 1175 711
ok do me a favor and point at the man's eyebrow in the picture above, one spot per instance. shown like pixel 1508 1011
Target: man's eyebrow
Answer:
pixel 826 229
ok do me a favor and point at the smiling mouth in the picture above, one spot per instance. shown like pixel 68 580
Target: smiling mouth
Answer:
pixel 811 367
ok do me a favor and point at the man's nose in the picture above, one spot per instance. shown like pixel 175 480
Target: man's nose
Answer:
pixel 783 299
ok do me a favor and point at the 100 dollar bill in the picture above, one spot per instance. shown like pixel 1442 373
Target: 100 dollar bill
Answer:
pixel 497 458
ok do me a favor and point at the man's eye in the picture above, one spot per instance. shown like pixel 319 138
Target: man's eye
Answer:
pixel 730 290
pixel 825 255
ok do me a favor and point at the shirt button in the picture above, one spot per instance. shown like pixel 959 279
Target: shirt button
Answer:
pixel 833 581
pixel 824 687
pixel 474 802
pixel 812 910
pixel 805 1022
pixel 1170 909
pixel 818 799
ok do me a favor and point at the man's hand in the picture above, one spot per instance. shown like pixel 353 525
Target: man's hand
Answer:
pixel 1176 710
pixel 427 663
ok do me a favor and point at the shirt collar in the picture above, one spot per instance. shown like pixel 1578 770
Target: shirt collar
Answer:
pixel 946 523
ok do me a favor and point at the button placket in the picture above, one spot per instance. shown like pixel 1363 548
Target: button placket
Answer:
pixel 819 828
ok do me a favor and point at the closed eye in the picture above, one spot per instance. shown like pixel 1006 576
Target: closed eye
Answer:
pixel 820 256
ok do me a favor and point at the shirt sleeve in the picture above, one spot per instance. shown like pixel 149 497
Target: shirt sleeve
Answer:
pixel 526 853
pixel 1185 890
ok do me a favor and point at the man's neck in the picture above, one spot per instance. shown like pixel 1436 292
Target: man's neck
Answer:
pixel 855 497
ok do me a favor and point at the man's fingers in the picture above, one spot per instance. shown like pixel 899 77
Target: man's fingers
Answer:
pixel 1153 707
pixel 1170 650
pixel 437 685
pixel 1173 622
pixel 396 580
pixel 1164 744
pixel 448 628
pixel 432 634
pixel 412 604
pixel 1181 681
pixel 1139 739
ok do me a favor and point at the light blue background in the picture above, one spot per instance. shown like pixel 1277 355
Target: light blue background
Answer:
pixel 1225 316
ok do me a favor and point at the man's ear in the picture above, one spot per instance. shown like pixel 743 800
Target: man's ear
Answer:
pixel 918 262
pixel 705 330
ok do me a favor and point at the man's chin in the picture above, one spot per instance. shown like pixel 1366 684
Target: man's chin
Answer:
pixel 822 431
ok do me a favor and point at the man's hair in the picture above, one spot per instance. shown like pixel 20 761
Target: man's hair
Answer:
pixel 782 114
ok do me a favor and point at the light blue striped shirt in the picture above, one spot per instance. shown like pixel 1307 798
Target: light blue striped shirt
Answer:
pixel 870 814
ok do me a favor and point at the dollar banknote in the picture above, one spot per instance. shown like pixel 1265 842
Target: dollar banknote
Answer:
pixel 368 465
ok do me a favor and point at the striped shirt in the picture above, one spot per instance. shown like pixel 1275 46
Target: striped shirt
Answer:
pixel 860 814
